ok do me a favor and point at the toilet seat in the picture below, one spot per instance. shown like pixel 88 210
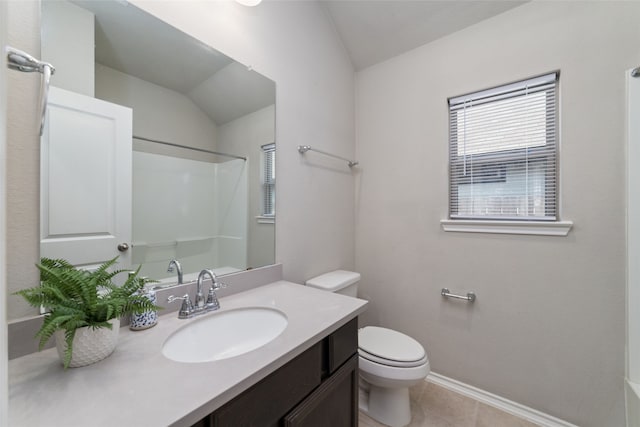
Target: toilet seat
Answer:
pixel 394 363
pixel 389 347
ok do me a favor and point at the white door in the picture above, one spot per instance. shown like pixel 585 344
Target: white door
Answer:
pixel 85 193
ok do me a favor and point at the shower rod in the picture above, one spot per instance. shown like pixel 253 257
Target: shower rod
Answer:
pixel 171 144
pixel 304 148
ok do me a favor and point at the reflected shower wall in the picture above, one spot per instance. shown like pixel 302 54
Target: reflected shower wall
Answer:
pixel 190 210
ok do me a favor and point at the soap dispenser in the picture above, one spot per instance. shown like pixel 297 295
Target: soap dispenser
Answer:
pixel 149 318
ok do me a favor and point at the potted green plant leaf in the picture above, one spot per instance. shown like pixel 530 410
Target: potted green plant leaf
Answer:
pixel 84 308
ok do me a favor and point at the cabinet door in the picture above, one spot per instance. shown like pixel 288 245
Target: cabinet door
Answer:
pixel 334 403
pixel 266 403
pixel 341 345
pixel 85 191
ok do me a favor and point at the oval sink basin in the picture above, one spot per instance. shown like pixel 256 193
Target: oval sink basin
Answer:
pixel 223 335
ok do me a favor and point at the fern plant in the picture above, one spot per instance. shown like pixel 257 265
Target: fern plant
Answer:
pixel 77 298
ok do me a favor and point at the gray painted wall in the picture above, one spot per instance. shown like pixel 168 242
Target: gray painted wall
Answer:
pixel 547 329
pixel 158 113
pixel 23 154
pixel 4 374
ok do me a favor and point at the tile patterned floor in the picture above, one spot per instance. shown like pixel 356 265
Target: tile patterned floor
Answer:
pixel 435 406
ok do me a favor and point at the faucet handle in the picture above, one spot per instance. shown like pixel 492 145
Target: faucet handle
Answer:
pixel 186 310
pixel 212 299
pixel 218 285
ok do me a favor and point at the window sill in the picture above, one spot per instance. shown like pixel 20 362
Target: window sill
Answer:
pixel 266 219
pixel 540 228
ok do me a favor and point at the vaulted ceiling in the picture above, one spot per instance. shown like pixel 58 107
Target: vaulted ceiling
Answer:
pixel 376 30
pixel 372 31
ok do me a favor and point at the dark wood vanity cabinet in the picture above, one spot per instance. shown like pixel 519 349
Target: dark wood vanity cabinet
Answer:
pixel 334 403
pixel 319 388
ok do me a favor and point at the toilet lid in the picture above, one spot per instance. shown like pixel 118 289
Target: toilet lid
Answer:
pixel 389 344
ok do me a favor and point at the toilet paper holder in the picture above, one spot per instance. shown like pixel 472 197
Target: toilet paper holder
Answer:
pixel 471 296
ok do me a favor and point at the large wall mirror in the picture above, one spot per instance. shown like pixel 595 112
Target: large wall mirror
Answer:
pixel 192 178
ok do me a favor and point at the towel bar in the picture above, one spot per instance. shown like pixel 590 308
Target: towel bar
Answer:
pixel 471 296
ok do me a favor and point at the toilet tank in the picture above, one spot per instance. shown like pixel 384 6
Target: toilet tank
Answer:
pixel 339 281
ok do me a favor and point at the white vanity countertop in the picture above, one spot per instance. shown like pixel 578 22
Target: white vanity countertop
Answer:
pixel 138 386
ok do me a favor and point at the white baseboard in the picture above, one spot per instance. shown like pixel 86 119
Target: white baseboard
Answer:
pixel 498 402
pixel 632 397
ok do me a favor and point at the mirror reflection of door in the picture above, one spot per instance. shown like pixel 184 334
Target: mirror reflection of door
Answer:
pixel 85 172
pixel 203 209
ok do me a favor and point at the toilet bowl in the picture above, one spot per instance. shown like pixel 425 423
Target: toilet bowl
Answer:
pixel 389 361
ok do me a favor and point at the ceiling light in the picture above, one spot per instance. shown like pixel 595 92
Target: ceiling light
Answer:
pixel 249 2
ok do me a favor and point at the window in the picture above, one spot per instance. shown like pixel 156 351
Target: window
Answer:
pixel 268 180
pixel 503 152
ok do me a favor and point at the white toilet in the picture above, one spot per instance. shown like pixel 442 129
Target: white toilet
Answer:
pixel 390 361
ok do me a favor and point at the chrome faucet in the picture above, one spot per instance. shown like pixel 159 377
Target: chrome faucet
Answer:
pixel 212 299
pixel 199 306
pixel 175 263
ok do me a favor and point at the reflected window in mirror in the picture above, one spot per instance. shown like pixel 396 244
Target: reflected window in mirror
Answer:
pixel 268 181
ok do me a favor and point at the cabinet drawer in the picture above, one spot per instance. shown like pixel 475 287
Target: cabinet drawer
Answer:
pixel 340 346
pixel 267 402
pixel 334 403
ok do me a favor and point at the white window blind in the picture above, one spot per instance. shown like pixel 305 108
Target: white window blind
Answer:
pixel 503 152
pixel 268 179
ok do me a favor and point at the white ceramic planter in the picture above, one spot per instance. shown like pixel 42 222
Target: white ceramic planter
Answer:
pixel 89 345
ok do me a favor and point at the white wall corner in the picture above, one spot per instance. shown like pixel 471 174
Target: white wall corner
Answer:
pixel 632 400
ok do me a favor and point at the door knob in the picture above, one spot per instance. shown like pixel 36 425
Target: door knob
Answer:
pixel 123 247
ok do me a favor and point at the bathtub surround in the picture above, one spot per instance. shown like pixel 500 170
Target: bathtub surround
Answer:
pixel 209 198
pixel 547 328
